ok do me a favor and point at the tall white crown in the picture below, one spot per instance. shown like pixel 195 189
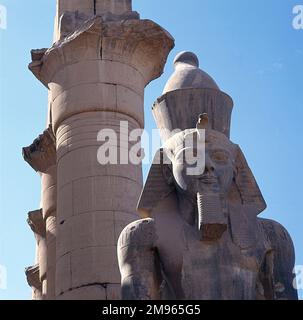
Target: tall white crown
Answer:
pixel 188 93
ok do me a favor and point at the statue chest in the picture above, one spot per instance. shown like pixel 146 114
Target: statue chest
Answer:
pixel 219 271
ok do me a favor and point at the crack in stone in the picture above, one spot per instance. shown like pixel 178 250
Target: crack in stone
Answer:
pixel 101 285
pixel 95 7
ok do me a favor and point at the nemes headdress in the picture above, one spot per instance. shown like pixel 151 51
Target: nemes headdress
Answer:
pixel 189 93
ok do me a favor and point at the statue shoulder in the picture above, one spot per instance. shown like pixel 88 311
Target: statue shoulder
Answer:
pixel 277 234
pixel 141 233
pixel 282 250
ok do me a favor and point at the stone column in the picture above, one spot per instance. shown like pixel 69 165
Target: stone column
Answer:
pixel 41 156
pixel 96 74
pixel 73 13
pixel 36 222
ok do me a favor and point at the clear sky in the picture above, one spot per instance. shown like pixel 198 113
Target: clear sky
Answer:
pixel 249 47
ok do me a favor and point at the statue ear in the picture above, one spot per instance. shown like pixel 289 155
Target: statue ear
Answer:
pixel 245 190
pixel 159 184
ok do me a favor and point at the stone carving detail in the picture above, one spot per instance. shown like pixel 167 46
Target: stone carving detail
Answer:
pixel 139 43
pixel 201 237
pixel 37 224
pixel 33 279
pixel 41 154
pixel 71 21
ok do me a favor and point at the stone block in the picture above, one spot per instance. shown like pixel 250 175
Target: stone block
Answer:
pixel 83 162
pixel 131 103
pixel 65 203
pixel 63 274
pixel 86 6
pixel 95 265
pixel 42 249
pixel 51 254
pixel 97 72
pixel 92 229
pixel 51 283
pixel 105 193
pixel 64 238
pixel 84 98
pixel 49 201
pixel 91 292
pixel 116 7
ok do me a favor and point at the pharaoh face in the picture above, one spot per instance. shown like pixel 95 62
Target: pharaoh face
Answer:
pixel 205 168
pixel 203 175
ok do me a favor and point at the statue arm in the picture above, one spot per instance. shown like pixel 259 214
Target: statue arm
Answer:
pixel 138 262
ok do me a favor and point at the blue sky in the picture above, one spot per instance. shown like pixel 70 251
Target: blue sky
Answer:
pixel 249 47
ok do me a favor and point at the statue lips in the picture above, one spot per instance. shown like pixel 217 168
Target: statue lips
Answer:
pixel 208 183
pixel 206 179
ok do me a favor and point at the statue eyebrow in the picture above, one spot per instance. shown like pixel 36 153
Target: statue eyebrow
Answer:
pixel 221 150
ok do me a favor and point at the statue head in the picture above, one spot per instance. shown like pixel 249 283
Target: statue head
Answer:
pixel 207 172
pixel 201 169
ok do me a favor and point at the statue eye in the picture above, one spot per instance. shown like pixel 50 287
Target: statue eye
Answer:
pixel 187 156
pixel 220 156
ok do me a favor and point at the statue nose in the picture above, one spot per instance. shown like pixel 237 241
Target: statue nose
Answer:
pixel 209 165
pixel 209 169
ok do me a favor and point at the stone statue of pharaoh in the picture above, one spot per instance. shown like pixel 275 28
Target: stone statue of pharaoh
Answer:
pixel 200 236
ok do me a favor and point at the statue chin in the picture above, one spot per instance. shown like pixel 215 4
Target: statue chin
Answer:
pixel 212 231
pixel 204 211
pixel 212 221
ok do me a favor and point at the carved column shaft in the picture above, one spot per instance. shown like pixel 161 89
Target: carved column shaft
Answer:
pixel 49 204
pixel 96 74
pixel 36 275
pixel 41 156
